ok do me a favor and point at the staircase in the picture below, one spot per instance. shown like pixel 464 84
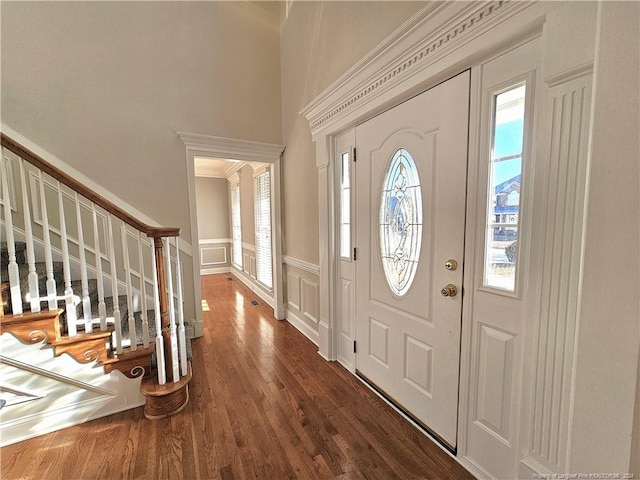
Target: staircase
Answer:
pixel 87 328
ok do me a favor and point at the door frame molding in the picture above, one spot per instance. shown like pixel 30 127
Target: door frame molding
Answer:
pixel 199 145
pixel 435 44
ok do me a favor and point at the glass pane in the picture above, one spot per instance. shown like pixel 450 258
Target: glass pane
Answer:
pixel 505 175
pixel 344 211
pixel 237 230
pixel 400 222
pixel 345 207
pixel 263 230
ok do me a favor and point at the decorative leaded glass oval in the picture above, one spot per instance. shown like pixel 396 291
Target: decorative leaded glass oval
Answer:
pixel 400 222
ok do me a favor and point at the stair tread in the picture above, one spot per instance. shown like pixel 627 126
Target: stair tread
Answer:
pixel 139 352
pixel 30 316
pixel 81 337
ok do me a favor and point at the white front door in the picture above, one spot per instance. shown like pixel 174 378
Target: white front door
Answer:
pixel 410 180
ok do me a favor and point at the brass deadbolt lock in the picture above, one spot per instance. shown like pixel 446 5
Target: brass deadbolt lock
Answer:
pixel 451 264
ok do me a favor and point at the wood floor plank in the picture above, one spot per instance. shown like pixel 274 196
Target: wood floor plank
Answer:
pixel 263 405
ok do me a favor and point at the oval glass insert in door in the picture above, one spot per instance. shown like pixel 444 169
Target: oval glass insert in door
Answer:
pixel 400 222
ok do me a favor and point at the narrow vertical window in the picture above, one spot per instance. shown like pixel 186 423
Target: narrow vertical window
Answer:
pixel 236 227
pixel 505 178
pixel 345 206
pixel 263 229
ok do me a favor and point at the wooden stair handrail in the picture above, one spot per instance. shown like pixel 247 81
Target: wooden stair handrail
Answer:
pixel 54 172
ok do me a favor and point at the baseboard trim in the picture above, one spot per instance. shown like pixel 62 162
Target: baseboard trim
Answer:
pixel 215 270
pixel 302 326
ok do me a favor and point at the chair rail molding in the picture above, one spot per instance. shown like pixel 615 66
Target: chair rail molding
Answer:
pixel 301 265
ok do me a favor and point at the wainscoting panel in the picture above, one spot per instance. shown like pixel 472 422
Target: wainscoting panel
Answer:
pixel 495 381
pixel 245 263
pixel 215 255
pixel 302 296
pixel 293 291
pixel 310 300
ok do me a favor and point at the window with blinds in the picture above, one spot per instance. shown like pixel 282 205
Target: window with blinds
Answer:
pixel 263 229
pixel 236 228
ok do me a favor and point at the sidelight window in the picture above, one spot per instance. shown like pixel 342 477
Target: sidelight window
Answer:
pixel 263 229
pixel 345 206
pixel 505 179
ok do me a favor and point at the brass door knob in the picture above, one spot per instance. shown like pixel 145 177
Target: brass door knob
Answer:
pixel 449 290
pixel 451 264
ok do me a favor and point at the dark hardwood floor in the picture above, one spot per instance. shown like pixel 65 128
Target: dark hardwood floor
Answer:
pixel 263 405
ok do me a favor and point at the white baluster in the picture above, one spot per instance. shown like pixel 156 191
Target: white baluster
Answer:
pixel 86 301
pixel 172 316
pixel 143 296
pixel 127 273
pixel 68 291
pixel 14 274
pixel 114 289
pixel 52 296
pixel 162 376
pixel 182 336
pixel 102 308
pixel 34 293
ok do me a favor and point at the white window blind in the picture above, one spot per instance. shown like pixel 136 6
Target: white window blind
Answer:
pixel 236 227
pixel 263 229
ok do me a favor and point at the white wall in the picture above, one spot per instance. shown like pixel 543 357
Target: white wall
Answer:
pixel 104 86
pixel 212 203
pixel 609 330
pixel 319 42
pixel 247 205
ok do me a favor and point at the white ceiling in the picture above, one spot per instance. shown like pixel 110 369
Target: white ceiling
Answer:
pixel 213 167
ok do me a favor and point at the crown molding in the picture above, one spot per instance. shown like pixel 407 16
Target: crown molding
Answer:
pixel 231 148
pixel 203 169
pixel 431 34
pixel 233 179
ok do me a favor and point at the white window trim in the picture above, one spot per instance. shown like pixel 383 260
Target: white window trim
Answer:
pixel 261 250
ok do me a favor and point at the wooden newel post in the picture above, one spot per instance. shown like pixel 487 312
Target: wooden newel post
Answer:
pixel 164 304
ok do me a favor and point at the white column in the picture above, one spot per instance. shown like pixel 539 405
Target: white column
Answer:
pixel 172 314
pixel 52 298
pixel 66 268
pixel 127 273
pixel 182 340
pixel 86 301
pixel 102 309
pixel 117 334
pixel 326 342
pixel 14 276
pixel 143 295
pixel 160 360
pixel 276 241
pixel 34 292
